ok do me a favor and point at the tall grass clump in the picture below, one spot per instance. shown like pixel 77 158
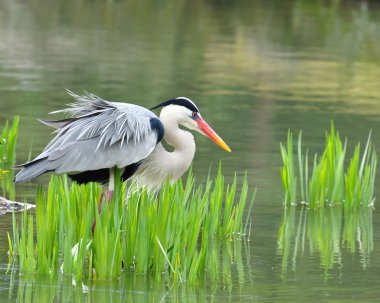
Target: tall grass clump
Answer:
pixel 8 138
pixel 327 181
pixel 169 234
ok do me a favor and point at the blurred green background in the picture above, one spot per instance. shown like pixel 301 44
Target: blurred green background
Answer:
pixel 256 69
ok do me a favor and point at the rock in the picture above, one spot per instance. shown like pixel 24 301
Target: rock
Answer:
pixel 8 206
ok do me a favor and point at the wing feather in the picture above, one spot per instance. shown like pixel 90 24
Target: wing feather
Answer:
pixel 98 134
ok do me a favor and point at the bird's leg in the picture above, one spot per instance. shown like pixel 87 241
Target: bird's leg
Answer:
pixel 99 209
pixel 100 202
pixel 109 193
pixel 111 185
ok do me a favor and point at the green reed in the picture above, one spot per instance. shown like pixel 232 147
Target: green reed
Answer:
pixel 327 182
pixel 8 138
pixel 166 234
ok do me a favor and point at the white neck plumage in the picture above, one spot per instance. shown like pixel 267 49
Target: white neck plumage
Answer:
pixel 162 164
pixel 181 140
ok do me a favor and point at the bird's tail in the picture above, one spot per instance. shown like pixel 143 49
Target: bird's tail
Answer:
pixel 32 170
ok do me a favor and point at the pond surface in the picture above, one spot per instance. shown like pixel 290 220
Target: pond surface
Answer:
pixel 255 69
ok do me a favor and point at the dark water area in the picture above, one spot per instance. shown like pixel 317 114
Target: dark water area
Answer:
pixel 255 69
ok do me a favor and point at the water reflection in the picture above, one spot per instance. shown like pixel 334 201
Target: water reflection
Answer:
pixel 228 262
pixel 324 232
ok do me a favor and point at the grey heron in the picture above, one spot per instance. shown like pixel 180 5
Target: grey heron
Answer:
pixel 100 135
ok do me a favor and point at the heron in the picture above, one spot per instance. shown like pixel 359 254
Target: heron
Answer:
pixel 97 136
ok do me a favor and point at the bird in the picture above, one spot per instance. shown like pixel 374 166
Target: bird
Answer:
pixel 97 136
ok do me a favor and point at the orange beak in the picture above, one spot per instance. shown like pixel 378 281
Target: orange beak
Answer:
pixel 209 132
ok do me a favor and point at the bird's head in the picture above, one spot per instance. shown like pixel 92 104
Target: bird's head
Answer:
pixel 187 114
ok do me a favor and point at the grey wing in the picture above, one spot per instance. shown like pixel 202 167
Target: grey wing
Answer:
pixel 99 134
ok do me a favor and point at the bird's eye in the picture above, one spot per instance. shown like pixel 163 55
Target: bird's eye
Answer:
pixel 195 115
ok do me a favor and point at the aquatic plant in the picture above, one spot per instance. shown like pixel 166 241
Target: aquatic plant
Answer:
pixel 166 234
pixel 8 138
pixel 328 183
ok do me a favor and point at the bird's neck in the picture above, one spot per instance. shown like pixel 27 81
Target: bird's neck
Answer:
pixel 162 164
pixel 181 140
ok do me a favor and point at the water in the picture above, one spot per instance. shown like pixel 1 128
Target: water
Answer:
pixel 255 68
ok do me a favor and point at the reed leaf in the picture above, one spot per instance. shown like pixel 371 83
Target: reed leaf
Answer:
pixel 8 140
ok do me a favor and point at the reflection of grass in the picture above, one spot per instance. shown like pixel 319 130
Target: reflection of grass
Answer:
pixel 165 234
pixel 8 138
pixel 136 288
pixel 325 231
pixel 328 182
